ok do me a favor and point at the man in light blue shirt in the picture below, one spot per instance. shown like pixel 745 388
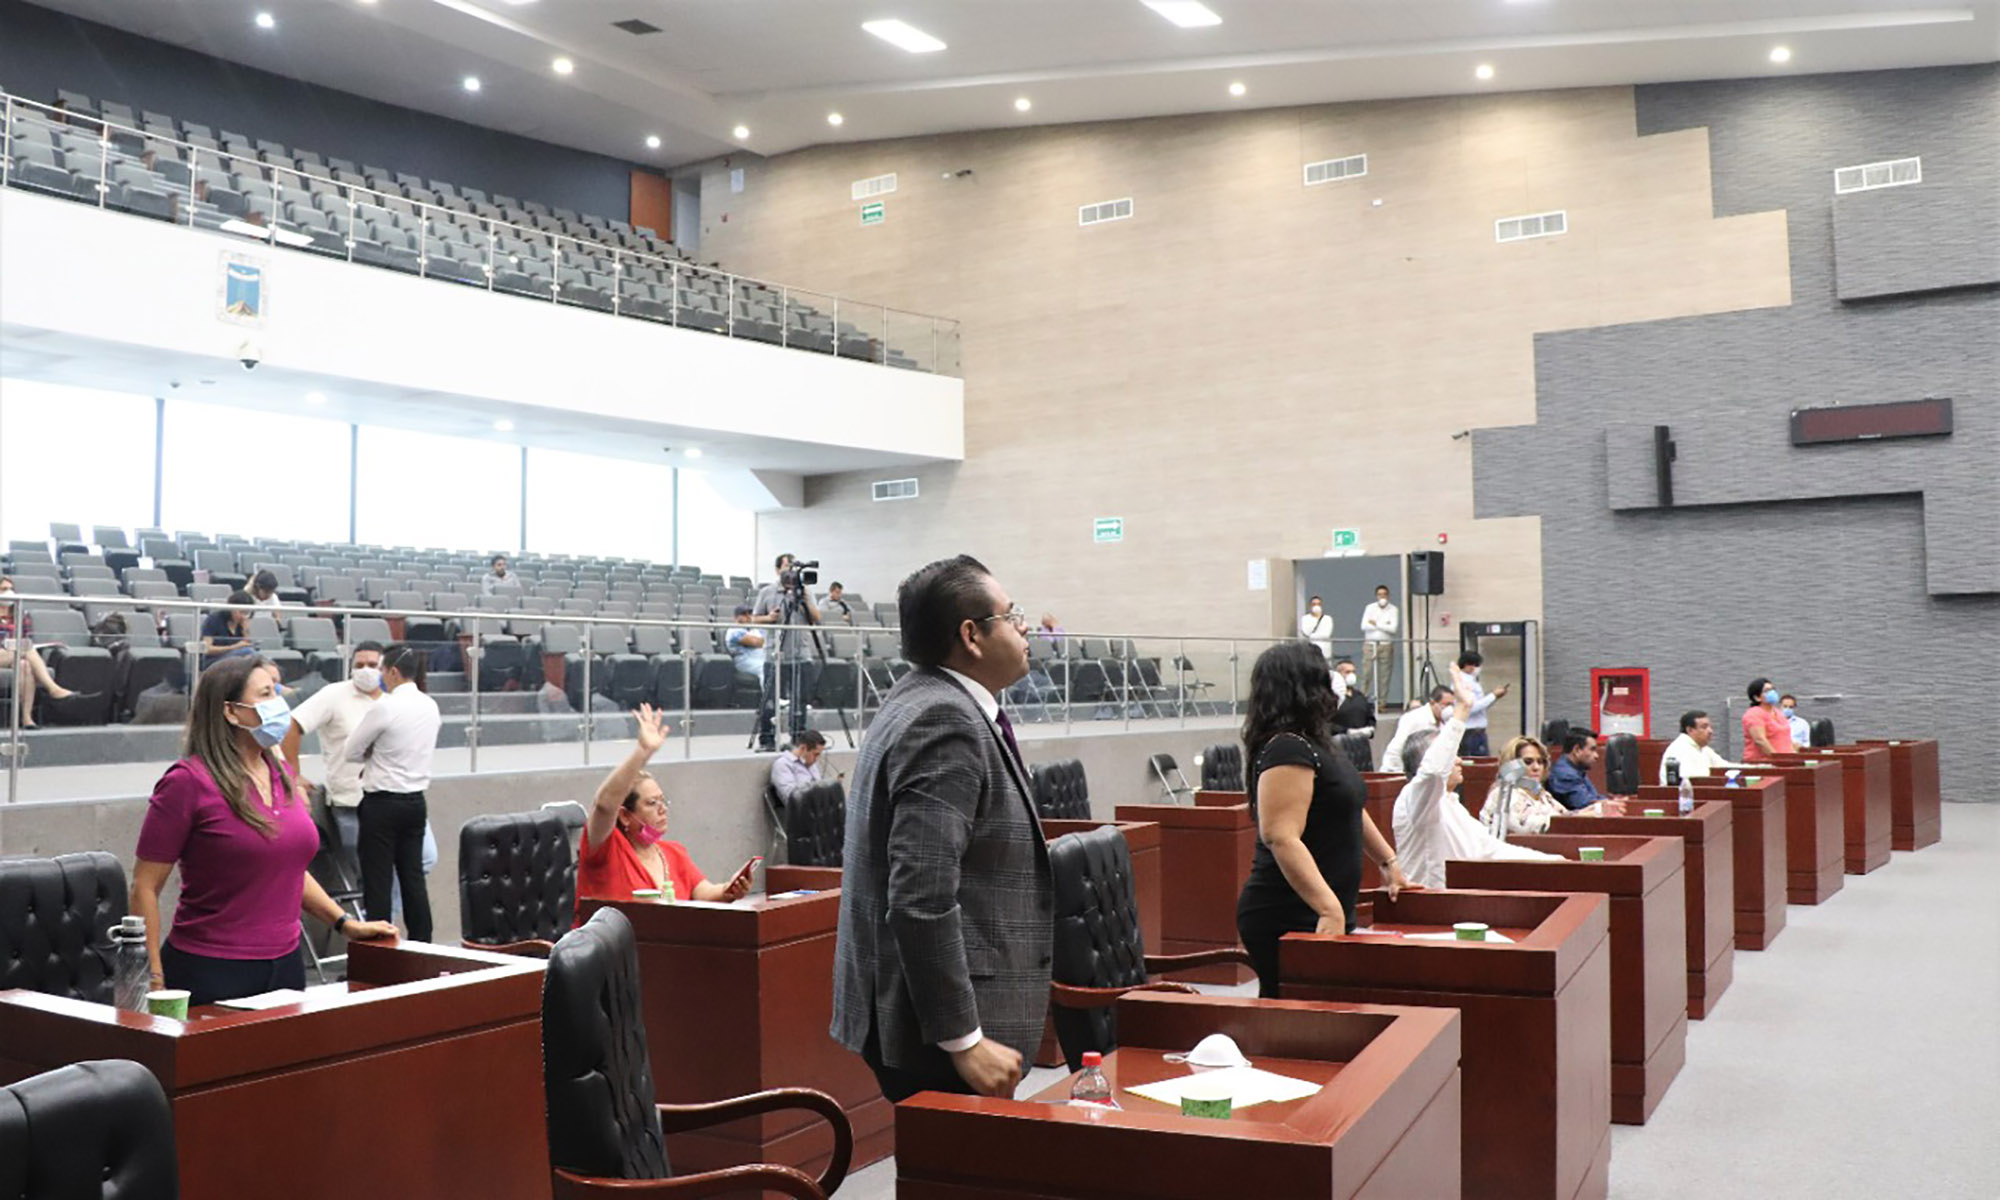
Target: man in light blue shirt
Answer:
pixel 1474 744
pixel 746 649
pixel 798 768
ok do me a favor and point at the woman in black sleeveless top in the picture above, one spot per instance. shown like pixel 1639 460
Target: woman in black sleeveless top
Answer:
pixel 1308 804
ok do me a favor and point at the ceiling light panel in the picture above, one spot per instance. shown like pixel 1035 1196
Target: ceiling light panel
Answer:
pixel 1188 14
pixel 904 36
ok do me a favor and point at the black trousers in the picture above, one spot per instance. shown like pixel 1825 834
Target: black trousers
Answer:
pixel 1260 931
pixel 801 676
pixel 392 850
pixel 933 1073
pixel 1473 744
pixel 208 980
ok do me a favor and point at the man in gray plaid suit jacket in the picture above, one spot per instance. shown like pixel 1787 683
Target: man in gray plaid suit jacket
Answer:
pixel 941 971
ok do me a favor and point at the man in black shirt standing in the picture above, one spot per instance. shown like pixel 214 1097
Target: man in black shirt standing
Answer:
pixel 1357 712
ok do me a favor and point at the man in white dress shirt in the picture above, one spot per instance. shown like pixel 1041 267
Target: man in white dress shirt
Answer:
pixel 1691 751
pixel 1801 728
pixel 1432 827
pixel 1420 717
pixel 1379 624
pixel 394 744
pixel 1316 627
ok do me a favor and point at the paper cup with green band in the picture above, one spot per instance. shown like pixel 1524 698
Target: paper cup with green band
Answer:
pixel 1470 931
pixel 168 1002
pixel 1590 853
pixel 646 895
pixel 1207 1096
pixel 1656 812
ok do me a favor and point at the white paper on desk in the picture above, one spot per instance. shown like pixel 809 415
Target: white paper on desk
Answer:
pixel 1248 1086
pixel 264 1000
pixel 1450 935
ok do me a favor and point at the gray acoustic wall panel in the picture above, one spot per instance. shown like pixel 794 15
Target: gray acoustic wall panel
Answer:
pixel 1924 237
pixel 1869 572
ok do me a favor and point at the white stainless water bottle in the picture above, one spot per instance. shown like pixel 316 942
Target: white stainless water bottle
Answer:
pixel 131 968
pixel 1687 796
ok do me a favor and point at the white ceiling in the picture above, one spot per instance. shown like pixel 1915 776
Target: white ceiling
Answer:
pixel 779 66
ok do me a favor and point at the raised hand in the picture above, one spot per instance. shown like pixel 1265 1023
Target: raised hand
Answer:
pixel 653 728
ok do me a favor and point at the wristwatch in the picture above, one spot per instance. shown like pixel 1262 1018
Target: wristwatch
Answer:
pixel 340 922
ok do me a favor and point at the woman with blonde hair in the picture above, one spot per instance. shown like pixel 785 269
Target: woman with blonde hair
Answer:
pixel 1531 807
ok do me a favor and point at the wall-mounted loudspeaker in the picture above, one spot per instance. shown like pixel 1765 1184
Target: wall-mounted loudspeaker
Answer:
pixel 1427 573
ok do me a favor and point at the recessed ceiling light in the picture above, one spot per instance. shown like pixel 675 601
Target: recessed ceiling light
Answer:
pixel 563 66
pixel 315 398
pixel 1781 54
pixel 367 1
pixel 834 118
pixel 1483 71
pixel 904 36
pixel 1023 104
pixel 740 132
pixel 266 21
pixel 692 452
pixel 652 141
pixel 1237 89
pixel 470 83
pixel 1188 14
pixel 503 425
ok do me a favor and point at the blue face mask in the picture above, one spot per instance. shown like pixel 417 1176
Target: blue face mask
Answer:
pixel 274 718
pixel 1771 696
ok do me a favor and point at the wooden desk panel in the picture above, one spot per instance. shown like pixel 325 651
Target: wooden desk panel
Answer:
pixel 1382 789
pixel 1536 1054
pixel 1645 880
pixel 1205 855
pixel 1385 1123
pixel 739 999
pixel 1707 837
pixel 1915 799
pixel 437 1079
pixel 1758 832
pixel 1815 827
pixel 1866 793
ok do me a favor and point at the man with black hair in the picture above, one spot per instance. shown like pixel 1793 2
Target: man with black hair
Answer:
pixel 1474 744
pixel 1357 711
pixel 498 579
pixel 837 606
pixel 1380 622
pixel 393 744
pixel 1691 751
pixel 798 767
pixel 791 652
pixel 1569 777
pixel 942 964
pixel 1419 717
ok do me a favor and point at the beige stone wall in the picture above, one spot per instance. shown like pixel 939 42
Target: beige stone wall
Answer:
pixel 1248 362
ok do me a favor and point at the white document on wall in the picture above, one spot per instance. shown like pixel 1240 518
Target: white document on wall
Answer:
pixel 1247 1086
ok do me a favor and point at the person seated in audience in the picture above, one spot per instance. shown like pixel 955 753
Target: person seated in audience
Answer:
pixel 1691 751
pixel 33 672
pixel 226 631
pixel 837 609
pixel 1049 631
pixel 1801 728
pixel 1531 805
pixel 1766 732
pixel 236 821
pixel 498 579
pixel 747 651
pixel 1357 712
pixel 1429 715
pixel 798 767
pixel 1432 827
pixel 625 847
pixel 264 590
pixel 1569 776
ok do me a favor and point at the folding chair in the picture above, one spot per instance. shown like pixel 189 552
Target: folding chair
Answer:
pixel 1175 784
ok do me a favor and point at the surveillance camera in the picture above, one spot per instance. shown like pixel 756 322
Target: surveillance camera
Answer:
pixel 249 355
pixel 250 364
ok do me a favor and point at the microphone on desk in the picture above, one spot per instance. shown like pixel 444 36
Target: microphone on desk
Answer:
pixel 1510 781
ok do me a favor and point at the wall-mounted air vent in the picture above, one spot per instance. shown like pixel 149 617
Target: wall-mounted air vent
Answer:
pixel 868 189
pixel 1108 210
pixel 895 489
pixel 1336 169
pixel 1515 229
pixel 1869 176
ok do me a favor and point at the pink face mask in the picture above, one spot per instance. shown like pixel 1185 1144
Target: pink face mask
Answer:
pixel 649 836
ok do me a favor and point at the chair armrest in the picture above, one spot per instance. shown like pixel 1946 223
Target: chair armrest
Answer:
pixel 728 1181
pixel 1089 997
pixel 1167 964
pixel 532 948
pixel 680 1118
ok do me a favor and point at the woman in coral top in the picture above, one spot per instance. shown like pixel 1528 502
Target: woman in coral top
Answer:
pixel 625 847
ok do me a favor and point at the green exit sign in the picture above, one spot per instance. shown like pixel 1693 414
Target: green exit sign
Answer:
pixel 874 213
pixel 1346 541
pixel 1108 529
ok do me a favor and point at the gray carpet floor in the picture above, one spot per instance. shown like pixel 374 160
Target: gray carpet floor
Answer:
pixel 1858 1057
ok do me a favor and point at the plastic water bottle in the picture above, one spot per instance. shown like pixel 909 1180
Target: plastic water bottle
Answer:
pixel 1091 1087
pixel 1687 797
pixel 131 969
pixel 667 892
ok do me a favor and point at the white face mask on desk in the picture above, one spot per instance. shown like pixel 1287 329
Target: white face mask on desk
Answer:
pixel 1216 1051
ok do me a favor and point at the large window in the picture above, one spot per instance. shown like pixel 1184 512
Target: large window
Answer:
pixel 75 455
pixel 446 493
pixel 608 507
pixel 717 534
pixel 254 473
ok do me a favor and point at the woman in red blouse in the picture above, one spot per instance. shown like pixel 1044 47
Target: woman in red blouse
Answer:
pixel 1766 732
pixel 624 843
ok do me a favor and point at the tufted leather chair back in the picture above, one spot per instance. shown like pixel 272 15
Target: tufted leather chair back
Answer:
pixel 1553 733
pixel 91 1129
pixel 56 916
pixel 516 878
pixel 1222 768
pixel 1061 791
pixel 1621 764
pixel 1822 732
pixel 816 825
pixel 1098 942
pixel 1358 749
pixel 598 1084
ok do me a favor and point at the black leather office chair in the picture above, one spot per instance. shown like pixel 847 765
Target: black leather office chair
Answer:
pixel 1358 748
pixel 56 916
pixel 1621 764
pixel 99 1129
pixel 816 825
pixel 606 1132
pixel 516 882
pixel 1100 950
pixel 1222 768
pixel 1062 793
pixel 1553 733
pixel 1822 732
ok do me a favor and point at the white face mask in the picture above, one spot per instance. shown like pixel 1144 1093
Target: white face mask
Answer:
pixel 1347 677
pixel 368 679
pixel 1215 1051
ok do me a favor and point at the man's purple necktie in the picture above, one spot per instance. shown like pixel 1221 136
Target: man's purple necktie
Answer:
pixel 1007 732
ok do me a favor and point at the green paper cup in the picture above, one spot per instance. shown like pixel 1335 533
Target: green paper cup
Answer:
pixel 1470 931
pixel 168 1002
pixel 651 895
pixel 1656 812
pixel 1207 1098
pixel 1590 853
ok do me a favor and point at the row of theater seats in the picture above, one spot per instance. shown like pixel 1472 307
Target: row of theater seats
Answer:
pixel 154 166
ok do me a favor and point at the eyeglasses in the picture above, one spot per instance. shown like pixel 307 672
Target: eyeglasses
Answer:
pixel 1013 616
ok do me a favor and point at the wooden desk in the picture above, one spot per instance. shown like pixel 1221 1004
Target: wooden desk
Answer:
pixel 1915 800
pixel 1707 838
pixel 739 999
pixel 421 1076
pixel 1380 803
pixel 1644 877
pixel 1479 776
pixel 1815 823
pixel 787 878
pixel 1651 751
pixel 1384 1124
pixel 1866 793
pixel 1205 854
pixel 1537 1034
pixel 1757 828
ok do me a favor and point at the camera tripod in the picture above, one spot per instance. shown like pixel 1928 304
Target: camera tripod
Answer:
pixel 793 610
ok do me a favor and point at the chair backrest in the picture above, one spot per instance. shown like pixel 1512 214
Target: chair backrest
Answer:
pixel 56 916
pixel 816 825
pixel 1621 764
pixel 516 878
pixel 1358 748
pixel 1061 791
pixel 1222 768
pixel 100 1128
pixel 1098 942
pixel 1554 731
pixel 1822 732
pixel 596 1076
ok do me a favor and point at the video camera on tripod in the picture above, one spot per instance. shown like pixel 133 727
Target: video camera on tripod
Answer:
pixel 800 575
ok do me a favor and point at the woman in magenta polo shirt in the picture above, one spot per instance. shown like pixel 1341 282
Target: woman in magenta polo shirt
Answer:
pixel 234 818
pixel 1766 731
